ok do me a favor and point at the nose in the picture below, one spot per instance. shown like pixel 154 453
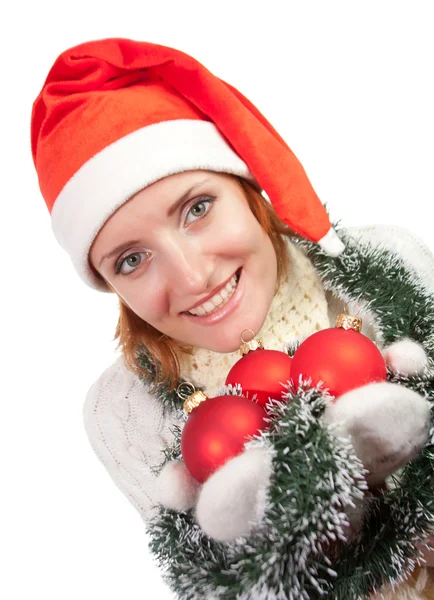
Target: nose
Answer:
pixel 187 267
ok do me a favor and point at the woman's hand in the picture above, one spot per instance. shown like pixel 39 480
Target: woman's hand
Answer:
pixel 232 500
pixel 387 423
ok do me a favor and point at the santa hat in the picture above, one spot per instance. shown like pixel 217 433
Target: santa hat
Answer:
pixel 116 115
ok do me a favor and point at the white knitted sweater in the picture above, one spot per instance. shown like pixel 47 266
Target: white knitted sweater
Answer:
pixel 125 423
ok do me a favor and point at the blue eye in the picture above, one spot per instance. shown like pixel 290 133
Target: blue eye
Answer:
pixel 199 209
pixel 132 260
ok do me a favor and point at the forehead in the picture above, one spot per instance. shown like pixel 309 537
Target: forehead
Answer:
pixel 158 197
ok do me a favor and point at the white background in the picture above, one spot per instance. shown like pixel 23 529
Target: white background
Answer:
pixel 349 85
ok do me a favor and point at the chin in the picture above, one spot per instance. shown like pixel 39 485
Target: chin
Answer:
pixel 226 348
pixel 231 341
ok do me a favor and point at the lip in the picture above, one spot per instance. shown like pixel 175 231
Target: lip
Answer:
pixel 213 293
pixel 221 313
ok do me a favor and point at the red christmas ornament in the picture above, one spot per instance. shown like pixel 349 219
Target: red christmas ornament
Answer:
pixel 260 372
pixel 342 358
pixel 216 430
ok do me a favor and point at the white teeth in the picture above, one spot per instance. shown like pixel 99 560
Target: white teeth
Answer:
pixel 224 293
pixel 217 300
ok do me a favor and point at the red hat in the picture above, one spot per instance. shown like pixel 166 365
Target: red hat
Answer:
pixel 116 115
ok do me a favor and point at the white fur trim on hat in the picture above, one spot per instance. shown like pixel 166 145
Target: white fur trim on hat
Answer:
pixel 123 168
pixel 331 244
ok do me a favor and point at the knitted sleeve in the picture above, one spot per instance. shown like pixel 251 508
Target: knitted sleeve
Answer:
pixel 128 431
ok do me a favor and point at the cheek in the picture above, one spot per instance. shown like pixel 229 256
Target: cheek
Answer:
pixel 241 234
pixel 147 305
pixel 254 244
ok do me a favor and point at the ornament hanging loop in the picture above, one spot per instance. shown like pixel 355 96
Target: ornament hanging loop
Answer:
pixel 185 390
pixel 252 344
pixel 348 311
pixel 243 341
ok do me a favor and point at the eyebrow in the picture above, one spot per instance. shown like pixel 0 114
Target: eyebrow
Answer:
pixel 184 197
pixel 170 212
pixel 118 249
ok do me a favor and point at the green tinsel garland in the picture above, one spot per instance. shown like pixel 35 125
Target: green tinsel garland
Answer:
pixel 300 552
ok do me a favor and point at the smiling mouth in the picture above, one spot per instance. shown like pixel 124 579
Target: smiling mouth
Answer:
pixel 218 300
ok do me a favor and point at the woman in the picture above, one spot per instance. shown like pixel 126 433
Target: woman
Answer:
pixel 152 170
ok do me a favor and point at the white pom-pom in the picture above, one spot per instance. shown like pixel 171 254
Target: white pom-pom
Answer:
pixel 387 424
pixel 233 500
pixel 176 488
pixel 406 357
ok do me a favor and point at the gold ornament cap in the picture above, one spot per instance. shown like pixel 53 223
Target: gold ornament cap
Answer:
pixel 346 321
pixel 193 401
pixel 253 344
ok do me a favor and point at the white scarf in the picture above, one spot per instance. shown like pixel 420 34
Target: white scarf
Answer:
pixel 298 309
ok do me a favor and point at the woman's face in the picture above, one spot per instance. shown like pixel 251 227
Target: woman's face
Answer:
pixel 187 255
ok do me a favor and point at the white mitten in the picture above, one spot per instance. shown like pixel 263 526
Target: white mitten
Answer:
pixel 176 488
pixel 233 500
pixel 406 356
pixel 387 424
